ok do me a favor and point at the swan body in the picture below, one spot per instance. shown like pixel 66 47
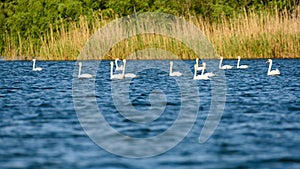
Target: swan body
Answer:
pixel 199 68
pixel 128 75
pixel 241 66
pixel 83 76
pixel 118 68
pixel 171 73
pixel 209 74
pixel 224 66
pixel 199 77
pixel 35 68
pixel 272 72
pixel 115 76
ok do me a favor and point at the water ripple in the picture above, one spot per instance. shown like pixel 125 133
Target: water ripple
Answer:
pixel 39 127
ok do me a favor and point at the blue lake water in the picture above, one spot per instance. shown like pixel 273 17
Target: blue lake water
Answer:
pixel 39 126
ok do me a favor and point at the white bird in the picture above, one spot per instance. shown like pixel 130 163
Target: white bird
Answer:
pixel 115 76
pixel 241 66
pixel 225 66
pixel 83 76
pixel 129 75
pixel 199 68
pixel 117 65
pixel 272 72
pixel 209 74
pixel 35 68
pixel 171 73
pixel 199 77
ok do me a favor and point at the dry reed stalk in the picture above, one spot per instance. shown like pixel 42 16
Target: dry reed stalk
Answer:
pixel 250 35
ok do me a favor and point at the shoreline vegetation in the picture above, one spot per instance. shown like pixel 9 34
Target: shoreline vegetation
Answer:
pixel 252 35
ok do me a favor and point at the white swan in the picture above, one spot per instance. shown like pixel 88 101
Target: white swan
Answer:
pixel 35 68
pixel 129 75
pixel 115 76
pixel 225 66
pixel 272 72
pixel 199 68
pixel 171 73
pixel 199 77
pixel 241 66
pixel 209 74
pixel 83 76
pixel 117 65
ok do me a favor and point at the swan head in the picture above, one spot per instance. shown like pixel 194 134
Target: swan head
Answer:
pixel 221 57
pixel 80 63
pixel 171 62
pixel 239 57
pixel 204 64
pixel 111 63
pixel 124 60
pixel 269 61
pixel 117 59
pixel 33 60
pixel 197 59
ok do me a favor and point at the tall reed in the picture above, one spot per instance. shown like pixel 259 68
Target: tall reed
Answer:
pixel 257 35
pixel 251 35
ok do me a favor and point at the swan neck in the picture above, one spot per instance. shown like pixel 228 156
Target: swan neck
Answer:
pixel 270 67
pixel 111 69
pixel 202 72
pixel 171 69
pixel 116 62
pixel 195 71
pixel 79 70
pixel 33 66
pixel 220 63
pixel 238 63
pixel 123 71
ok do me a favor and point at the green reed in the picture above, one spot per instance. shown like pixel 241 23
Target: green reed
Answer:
pixel 251 35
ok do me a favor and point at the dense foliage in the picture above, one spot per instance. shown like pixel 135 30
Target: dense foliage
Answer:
pixel 31 18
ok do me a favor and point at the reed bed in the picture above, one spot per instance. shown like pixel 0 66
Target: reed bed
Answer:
pixel 251 35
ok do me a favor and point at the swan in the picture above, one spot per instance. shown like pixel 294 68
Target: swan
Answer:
pixel 272 72
pixel 171 70
pixel 35 68
pixel 198 68
pixel 117 65
pixel 199 77
pixel 129 75
pixel 83 76
pixel 209 74
pixel 225 66
pixel 241 66
pixel 115 76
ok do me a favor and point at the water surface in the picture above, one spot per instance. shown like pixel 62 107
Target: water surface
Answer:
pixel 259 128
